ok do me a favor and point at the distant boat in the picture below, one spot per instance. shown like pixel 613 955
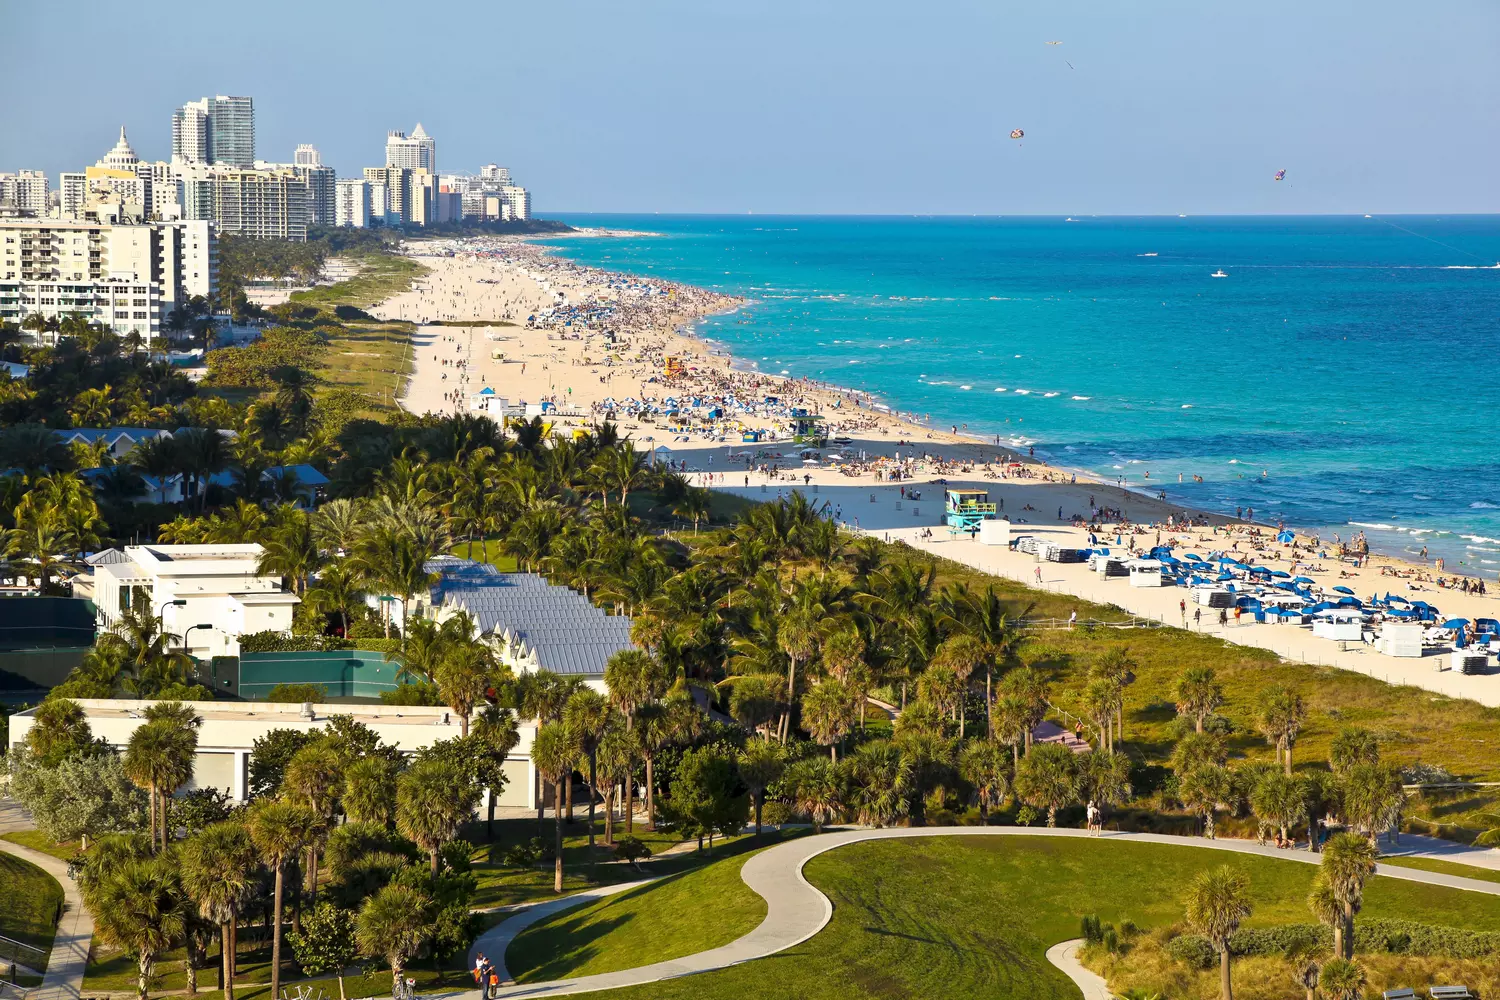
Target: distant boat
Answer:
pixel 1182 216
pixel 1219 274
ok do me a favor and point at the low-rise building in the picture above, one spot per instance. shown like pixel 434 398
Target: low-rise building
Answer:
pixel 208 595
pixel 230 729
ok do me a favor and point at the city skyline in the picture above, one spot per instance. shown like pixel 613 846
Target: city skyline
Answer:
pixel 1370 107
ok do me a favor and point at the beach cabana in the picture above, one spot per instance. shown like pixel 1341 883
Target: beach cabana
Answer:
pixel 1286 537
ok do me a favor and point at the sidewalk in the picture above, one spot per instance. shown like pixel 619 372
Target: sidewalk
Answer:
pixel 70 945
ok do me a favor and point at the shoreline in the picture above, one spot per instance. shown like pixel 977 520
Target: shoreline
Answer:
pixel 530 274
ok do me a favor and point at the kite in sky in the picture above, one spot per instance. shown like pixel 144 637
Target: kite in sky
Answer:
pixel 1017 134
pixel 1054 43
pixel 1281 175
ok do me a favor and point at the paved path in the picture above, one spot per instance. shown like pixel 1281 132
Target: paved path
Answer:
pixel 70 945
pixel 1416 845
pixel 1064 955
pixel 795 910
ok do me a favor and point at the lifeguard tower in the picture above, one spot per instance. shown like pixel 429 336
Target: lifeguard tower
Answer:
pixel 966 509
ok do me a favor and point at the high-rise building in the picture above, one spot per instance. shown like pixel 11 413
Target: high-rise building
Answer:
pixel 260 204
pixel 352 203
pixel 320 181
pixel 127 276
pixel 307 155
pixel 25 191
pixel 114 185
pixel 73 188
pixel 217 130
pixel 413 152
pixel 518 201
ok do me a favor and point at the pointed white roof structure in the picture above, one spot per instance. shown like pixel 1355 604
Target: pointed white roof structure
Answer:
pixel 121 157
pixel 419 132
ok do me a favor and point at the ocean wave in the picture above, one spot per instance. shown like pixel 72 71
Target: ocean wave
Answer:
pixel 998 389
pixel 1023 392
pixel 1482 505
pixel 1083 397
pixel 1420 496
pixel 1187 406
pixel 966 387
pixel 1376 525
pixel 1481 538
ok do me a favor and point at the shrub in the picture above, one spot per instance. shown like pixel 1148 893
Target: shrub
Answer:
pixel 1385 935
pixel 630 849
pixel 1090 929
pixel 415 693
pixel 1193 951
pixel 1110 939
pixel 280 642
pixel 296 694
pixel 377 645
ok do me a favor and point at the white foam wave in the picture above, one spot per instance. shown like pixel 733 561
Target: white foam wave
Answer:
pixel 1049 395
pixel 966 387
pixel 1482 505
pixel 1083 397
pixel 998 389
pixel 1187 406
pixel 1023 392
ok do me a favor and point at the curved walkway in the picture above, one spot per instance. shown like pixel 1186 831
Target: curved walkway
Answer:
pixel 70 943
pixel 1064 955
pixel 796 910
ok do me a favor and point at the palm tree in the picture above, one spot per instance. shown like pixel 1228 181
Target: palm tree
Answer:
pixel 292 552
pixel 218 866
pixel 1352 746
pixel 654 727
pixel 962 654
pixel 1011 721
pixel 156 457
pixel 1282 712
pixel 463 675
pixel 828 712
pixel 621 468
pixel 1101 700
pixel 1029 687
pixel 392 925
pixel 761 764
pixel 370 791
pixel 695 505
pixel 816 790
pixel 1047 778
pixel 554 752
pixel 159 759
pixel 1105 778
pixel 337 525
pixel 433 799
pixel 1198 695
pixel 1280 801
pixel 1373 797
pixel 200 453
pixel 982 764
pixel 587 716
pixel 279 830
pixel 883 775
pixel 1342 980
pixel 138 907
pixel 1348 861
pixel 615 759
pixel 337 589
pixel 798 638
pixel 313 778
pixel 1204 790
pixel 1217 901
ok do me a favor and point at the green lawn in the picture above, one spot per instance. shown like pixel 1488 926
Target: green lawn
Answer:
pixel 503 885
pixel 966 918
pixel 1446 867
pixel 30 900
pixel 371 359
pixel 655 923
pixel 39 841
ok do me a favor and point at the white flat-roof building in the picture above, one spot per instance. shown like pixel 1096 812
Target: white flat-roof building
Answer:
pixel 223 594
pixel 230 729
pixel 26 191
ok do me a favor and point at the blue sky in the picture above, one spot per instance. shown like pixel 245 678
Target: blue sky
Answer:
pixel 804 106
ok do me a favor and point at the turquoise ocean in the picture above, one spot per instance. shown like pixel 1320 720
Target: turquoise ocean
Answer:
pixel 1344 375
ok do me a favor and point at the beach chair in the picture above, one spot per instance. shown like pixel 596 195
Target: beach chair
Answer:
pixel 1450 993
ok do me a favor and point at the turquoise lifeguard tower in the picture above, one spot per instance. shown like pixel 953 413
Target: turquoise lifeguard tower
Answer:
pixel 966 508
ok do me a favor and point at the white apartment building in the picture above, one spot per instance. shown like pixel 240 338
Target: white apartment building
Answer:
pixel 380 202
pixel 319 181
pixel 26 191
pixel 261 204
pixel 352 203
pixel 517 200
pixel 230 729
pixel 207 595
pixel 307 155
pixel 127 276
pixel 215 130
pixel 491 195
pixel 417 151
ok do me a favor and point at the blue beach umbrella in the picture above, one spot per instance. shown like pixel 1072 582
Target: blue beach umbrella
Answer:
pixel 1454 623
pixel 1286 536
pixel 1344 590
pixel 1281 574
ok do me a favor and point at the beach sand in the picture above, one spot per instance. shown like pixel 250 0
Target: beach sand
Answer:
pixel 616 348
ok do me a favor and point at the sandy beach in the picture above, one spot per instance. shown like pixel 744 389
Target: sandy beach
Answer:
pixel 539 332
